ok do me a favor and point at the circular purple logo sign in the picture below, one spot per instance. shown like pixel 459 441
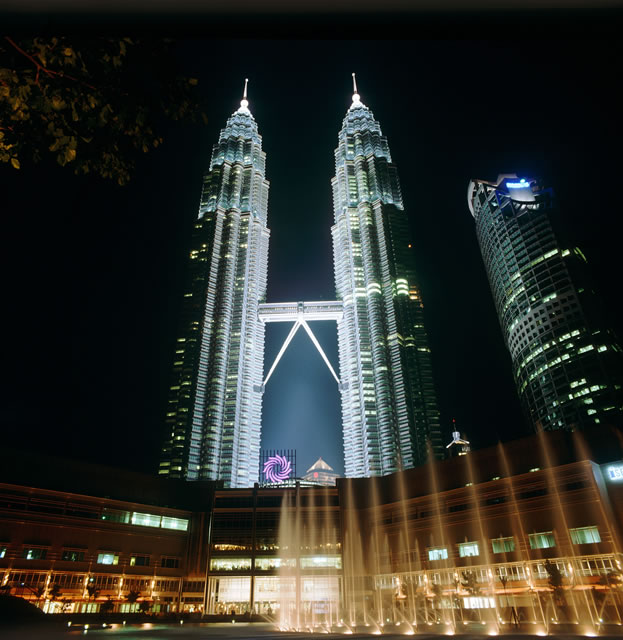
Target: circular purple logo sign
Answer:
pixel 277 469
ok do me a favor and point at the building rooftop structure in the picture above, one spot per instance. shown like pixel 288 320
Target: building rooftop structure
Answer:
pixel 459 446
pixel 321 473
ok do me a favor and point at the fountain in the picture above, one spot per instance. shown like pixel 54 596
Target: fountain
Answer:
pixel 469 545
pixel 309 580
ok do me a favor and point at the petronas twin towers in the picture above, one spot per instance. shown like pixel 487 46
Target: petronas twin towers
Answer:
pixel 390 419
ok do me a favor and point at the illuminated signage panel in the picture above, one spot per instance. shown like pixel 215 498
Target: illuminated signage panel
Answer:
pixel 278 466
pixel 522 184
pixel 615 472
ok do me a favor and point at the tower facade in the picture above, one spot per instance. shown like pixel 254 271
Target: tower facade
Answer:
pixel 213 417
pixel 567 366
pixel 389 409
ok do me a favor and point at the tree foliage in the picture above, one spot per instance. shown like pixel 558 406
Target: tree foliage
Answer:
pixel 92 590
pixel 555 575
pixel 611 579
pixel 470 582
pixel 556 582
pixel 92 104
pixel 55 592
pixel 107 606
pixel 133 595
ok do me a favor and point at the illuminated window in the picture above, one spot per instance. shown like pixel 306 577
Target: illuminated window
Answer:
pixel 467 549
pixel 234 590
pixel 107 558
pixel 145 519
pixel 139 561
pixel 2 552
pixel 502 545
pixel 312 562
pixel 174 523
pixel 34 553
pixel 473 602
pixel 438 553
pixel 585 535
pixel 230 564
pixel 265 564
pixel 544 540
pixel 72 556
pixel 114 515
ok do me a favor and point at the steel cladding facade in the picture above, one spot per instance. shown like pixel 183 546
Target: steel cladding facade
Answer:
pixel 389 409
pixel 214 412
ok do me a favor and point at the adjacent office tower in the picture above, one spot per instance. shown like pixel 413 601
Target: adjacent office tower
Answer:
pixel 389 409
pixel 567 367
pixel 214 405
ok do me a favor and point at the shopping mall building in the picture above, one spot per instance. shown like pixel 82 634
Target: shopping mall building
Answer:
pixel 464 532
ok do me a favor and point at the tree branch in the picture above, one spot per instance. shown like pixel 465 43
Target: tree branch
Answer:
pixel 41 67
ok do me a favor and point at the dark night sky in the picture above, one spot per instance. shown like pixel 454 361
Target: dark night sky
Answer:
pixel 93 272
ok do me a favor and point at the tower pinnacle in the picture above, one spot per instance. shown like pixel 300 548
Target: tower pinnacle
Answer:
pixel 244 103
pixel 356 97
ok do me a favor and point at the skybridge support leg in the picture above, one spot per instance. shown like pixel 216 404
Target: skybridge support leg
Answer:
pixel 317 345
pixel 293 331
pixel 295 327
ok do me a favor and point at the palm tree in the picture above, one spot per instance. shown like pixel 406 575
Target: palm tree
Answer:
pixel 556 583
pixel 54 592
pixel 92 591
pixel 39 592
pixel 133 596
pixel 470 582
pixel 107 606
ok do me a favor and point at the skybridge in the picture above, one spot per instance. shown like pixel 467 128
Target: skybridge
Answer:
pixel 300 313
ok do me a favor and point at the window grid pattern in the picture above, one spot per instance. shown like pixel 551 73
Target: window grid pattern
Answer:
pixel 567 366
pixel 389 409
pixel 213 416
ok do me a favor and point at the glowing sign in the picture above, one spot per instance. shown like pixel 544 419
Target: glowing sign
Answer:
pixel 277 469
pixel 615 473
pixel 522 184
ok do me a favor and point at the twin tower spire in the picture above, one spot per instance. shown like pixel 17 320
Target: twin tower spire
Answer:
pixel 389 418
pixel 244 103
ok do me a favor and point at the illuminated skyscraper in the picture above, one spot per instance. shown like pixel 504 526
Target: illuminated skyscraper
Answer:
pixel 214 405
pixel 389 409
pixel 567 367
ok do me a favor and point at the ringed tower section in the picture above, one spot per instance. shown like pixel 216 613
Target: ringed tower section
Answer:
pixel 389 409
pixel 213 418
